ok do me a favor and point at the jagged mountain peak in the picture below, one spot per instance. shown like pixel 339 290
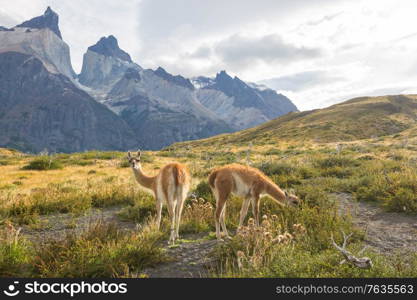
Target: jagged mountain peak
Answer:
pixel 228 84
pixel 49 11
pixel 222 75
pixel 109 46
pixel 160 69
pixel 224 78
pixel 49 19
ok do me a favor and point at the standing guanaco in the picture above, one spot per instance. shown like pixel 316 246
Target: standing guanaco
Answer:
pixel 170 185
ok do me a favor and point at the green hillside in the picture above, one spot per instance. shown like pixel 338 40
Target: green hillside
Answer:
pixel 359 118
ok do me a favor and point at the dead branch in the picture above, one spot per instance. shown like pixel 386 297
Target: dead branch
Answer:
pixel 363 262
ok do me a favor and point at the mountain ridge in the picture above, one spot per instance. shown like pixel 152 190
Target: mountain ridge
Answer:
pixel 160 108
pixel 126 88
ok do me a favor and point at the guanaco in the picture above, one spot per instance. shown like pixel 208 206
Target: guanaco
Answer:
pixel 246 182
pixel 170 186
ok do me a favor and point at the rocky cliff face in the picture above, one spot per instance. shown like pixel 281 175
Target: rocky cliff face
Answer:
pixel 41 110
pixel 40 37
pixel 40 105
pixel 104 64
pixel 160 125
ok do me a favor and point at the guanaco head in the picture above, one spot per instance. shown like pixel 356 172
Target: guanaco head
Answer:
pixel 291 199
pixel 134 161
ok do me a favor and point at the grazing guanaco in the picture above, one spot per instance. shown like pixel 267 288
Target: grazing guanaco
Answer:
pixel 170 185
pixel 246 182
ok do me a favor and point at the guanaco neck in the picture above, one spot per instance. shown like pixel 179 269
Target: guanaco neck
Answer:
pixel 143 179
pixel 275 192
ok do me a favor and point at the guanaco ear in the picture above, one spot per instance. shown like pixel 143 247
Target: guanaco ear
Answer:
pixel 139 154
pixel 129 156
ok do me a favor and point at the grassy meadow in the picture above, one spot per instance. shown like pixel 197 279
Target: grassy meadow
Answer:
pixel 292 242
pixel 365 148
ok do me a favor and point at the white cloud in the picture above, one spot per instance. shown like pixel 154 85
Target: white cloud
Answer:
pixel 6 20
pixel 241 52
pixel 304 80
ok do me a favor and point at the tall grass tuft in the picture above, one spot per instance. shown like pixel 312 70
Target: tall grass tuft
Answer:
pixel 15 253
pixel 102 250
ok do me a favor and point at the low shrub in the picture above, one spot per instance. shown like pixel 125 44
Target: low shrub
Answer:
pixel 144 206
pixel 43 163
pixel 336 161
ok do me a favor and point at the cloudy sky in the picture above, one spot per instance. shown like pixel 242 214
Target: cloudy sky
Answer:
pixel 316 52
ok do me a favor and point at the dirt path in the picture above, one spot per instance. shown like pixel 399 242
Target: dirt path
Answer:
pixel 57 226
pixel 386 232
pixel 189 259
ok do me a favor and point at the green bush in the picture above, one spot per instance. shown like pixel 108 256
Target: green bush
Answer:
pixel 102 155
pixel 5 162
pixel 370 193
pixel 273 151
pixel 313 196
pixel 339 172
pixel 79 162
pixel 336 161
pixel 404 200
pixel 43 163
pixel 124 163
pixel 276 168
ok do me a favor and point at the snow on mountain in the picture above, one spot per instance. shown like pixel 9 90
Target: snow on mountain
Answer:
pixel 241 104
